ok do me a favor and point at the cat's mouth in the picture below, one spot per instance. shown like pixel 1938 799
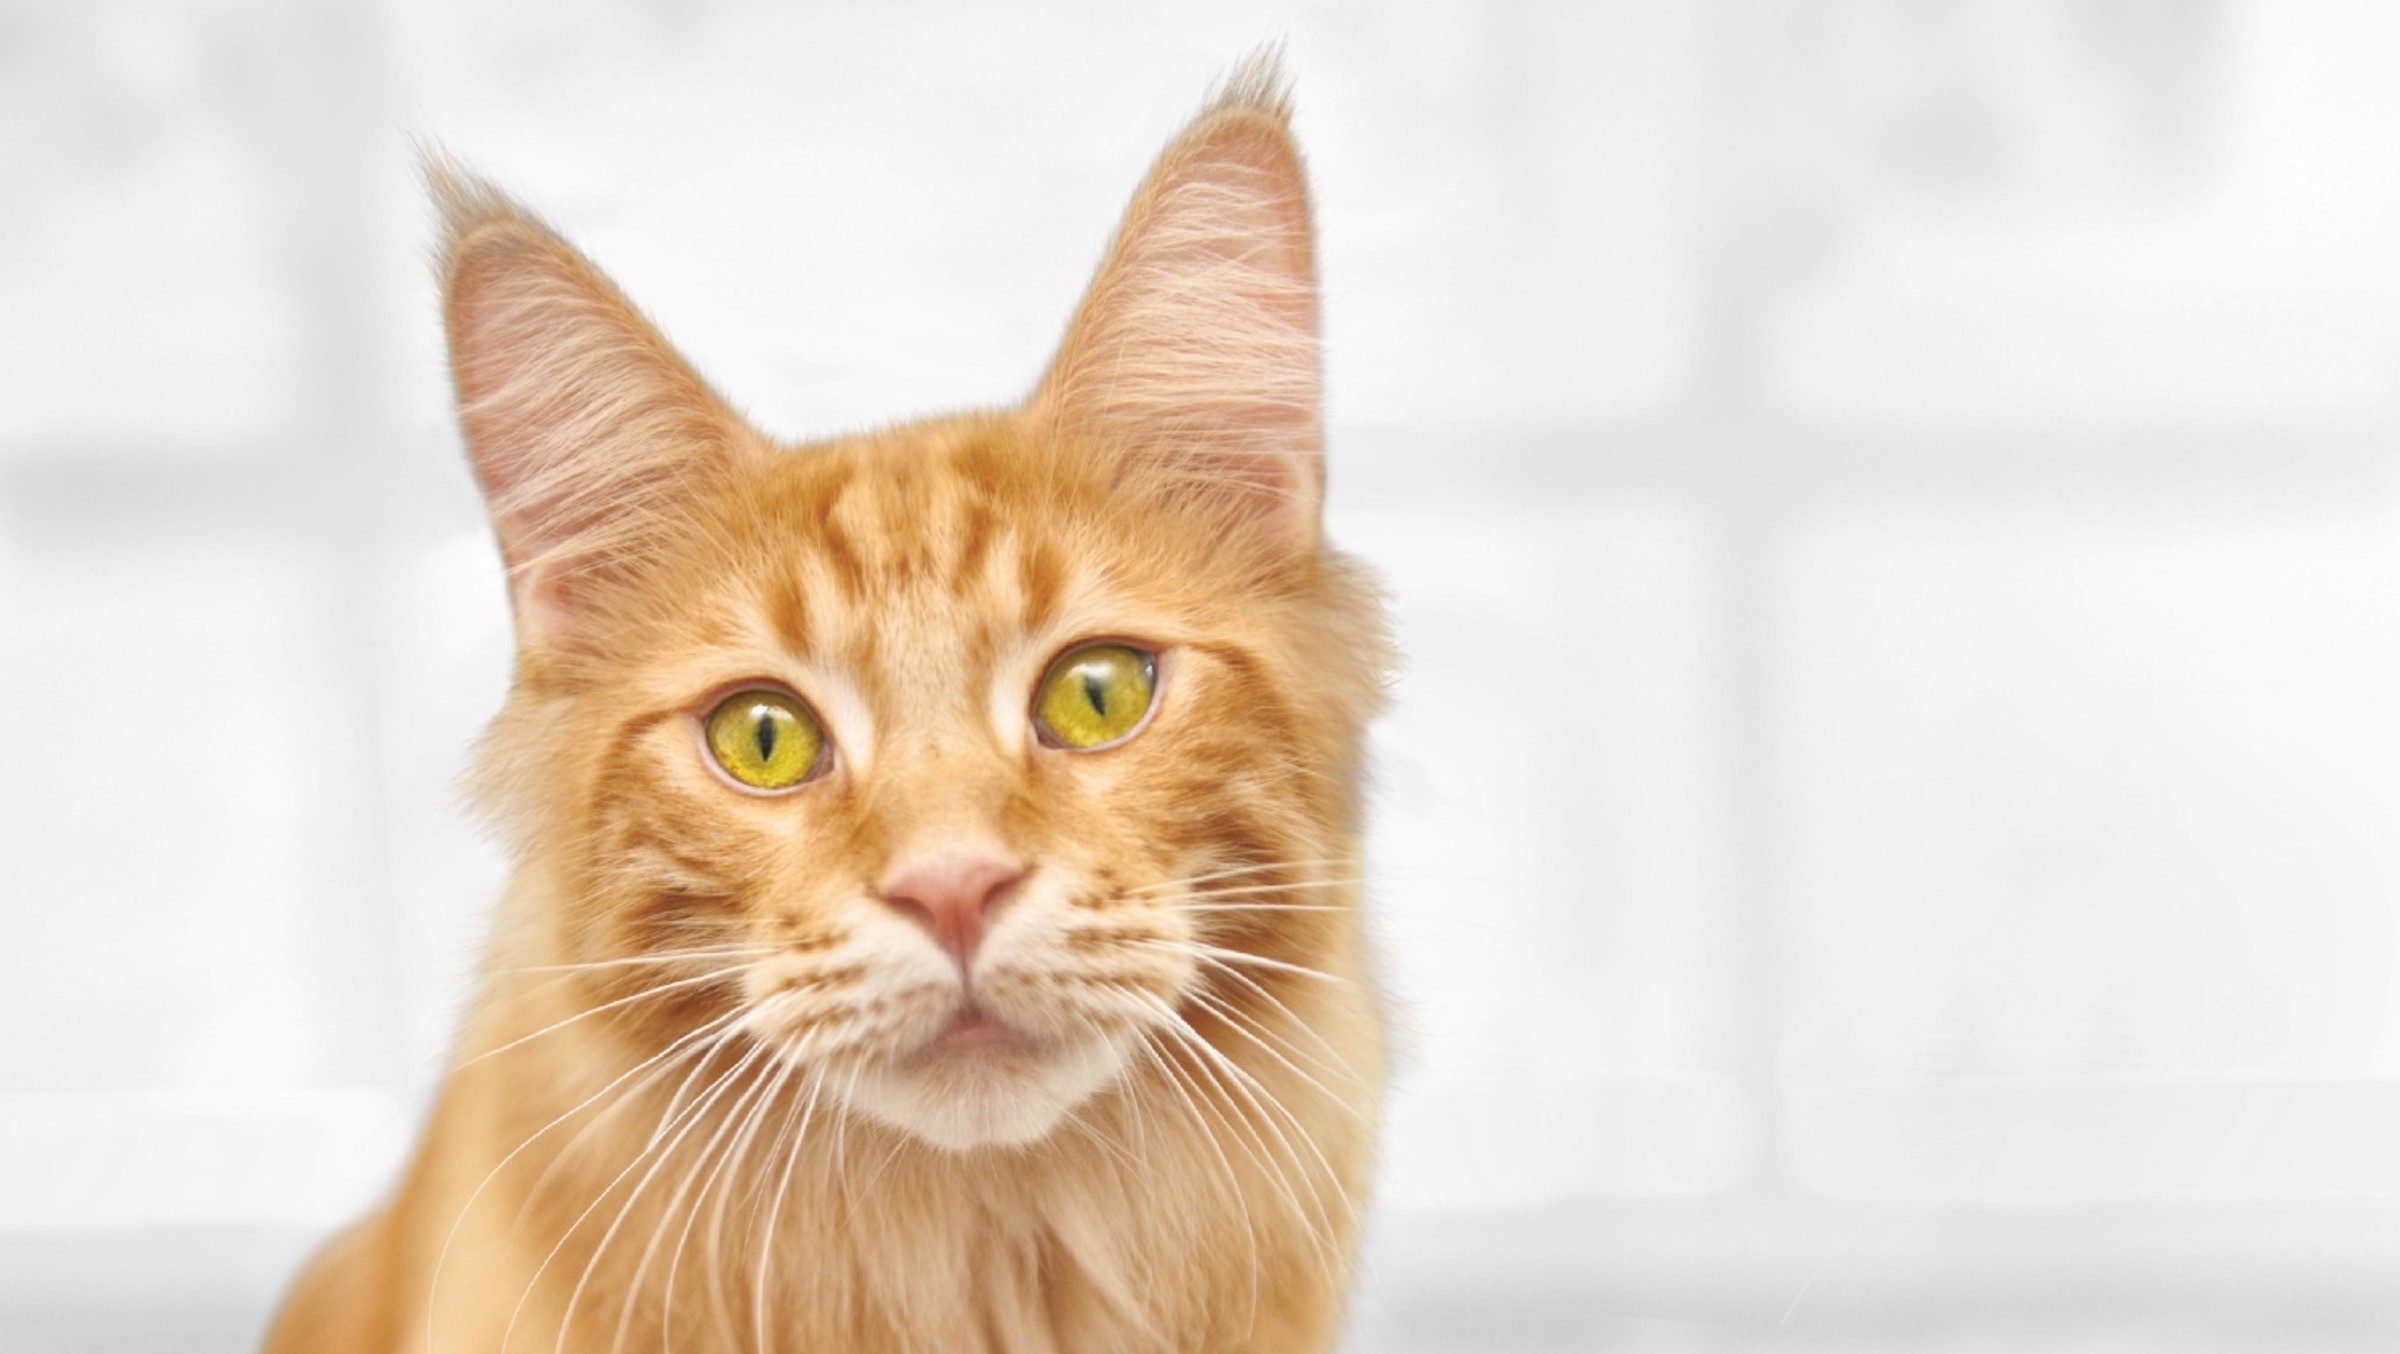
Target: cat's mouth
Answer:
pixel 973 1031
pixel 981 1078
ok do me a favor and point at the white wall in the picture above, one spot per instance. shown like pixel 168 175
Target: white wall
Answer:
pixel 1921 477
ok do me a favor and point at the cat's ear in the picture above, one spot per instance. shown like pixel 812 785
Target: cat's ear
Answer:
pixel 588 432
pixel 1193 360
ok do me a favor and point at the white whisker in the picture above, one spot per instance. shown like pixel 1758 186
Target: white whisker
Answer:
pixel 731 1031
pixel 660 957
pixel 1226 956
pixel 645 994
pixel 671 1057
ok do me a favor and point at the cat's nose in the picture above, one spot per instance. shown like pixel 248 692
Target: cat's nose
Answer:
pixel 951 895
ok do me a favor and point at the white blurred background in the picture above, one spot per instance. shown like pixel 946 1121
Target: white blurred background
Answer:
pixel 1891 832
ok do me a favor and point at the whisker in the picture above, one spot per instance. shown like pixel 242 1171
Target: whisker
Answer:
pixel 629 1096
pixel 725 1036
pixel 1233 1021
pixel 867 1187
pixel 1091 1133
pixel 1324 1176
pixel 741 1112
pixel 693 1116
pixel 1212 1062
pixel 433 1286
pixel 785 1071
pixel 645 994
pixel 783 1184
pixel 666 1214
pixel 1278 1005
pixel 841 1137
pixel 1080 1120
pixel 1230 873
pixel 661 958
pixel 1185 1099
pixel 1226 956
pixel 1252 890
pixel 1263 907
pixel 1252 1129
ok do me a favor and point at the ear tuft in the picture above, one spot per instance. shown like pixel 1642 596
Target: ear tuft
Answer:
pixel 1192 364
pixel 1258 84
pixel 589 433
pixel 461 198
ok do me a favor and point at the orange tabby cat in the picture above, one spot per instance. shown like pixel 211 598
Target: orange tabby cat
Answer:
pixel 933 924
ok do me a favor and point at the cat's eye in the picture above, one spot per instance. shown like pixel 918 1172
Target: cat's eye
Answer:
pixel 1095 695
pixel 765 739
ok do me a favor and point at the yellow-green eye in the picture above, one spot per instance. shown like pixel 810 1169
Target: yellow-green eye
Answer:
pixel 1095 695
pixel 765 739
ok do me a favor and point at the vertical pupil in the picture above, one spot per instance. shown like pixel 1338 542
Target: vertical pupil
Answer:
pixel 766 736
pixel 1094 692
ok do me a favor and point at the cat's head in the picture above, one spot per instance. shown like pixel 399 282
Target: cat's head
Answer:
pixel 953 762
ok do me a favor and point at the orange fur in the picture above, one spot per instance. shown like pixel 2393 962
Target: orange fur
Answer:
pixel 690 1105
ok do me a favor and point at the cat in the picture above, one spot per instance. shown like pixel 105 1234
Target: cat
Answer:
pixel 934 918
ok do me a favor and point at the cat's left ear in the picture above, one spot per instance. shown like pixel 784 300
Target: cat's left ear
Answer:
pixel 1193 361
pixel 591 436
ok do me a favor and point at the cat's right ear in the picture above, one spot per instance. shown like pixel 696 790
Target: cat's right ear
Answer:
pixel 589 433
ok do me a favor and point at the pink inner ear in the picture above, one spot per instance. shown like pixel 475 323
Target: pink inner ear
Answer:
pixel 1194 359
pixel 587 430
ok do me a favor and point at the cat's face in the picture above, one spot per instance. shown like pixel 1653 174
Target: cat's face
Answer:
pixel 967 918
pixel 952 765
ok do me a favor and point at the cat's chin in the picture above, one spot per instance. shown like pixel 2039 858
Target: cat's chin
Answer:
pixel 982 1092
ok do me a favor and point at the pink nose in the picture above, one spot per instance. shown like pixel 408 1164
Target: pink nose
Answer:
pixel 951 895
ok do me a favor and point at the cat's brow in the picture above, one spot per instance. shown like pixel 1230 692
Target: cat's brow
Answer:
pixel 975 543
pixel 840 554
pixel 788 614
pixel 1041 577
